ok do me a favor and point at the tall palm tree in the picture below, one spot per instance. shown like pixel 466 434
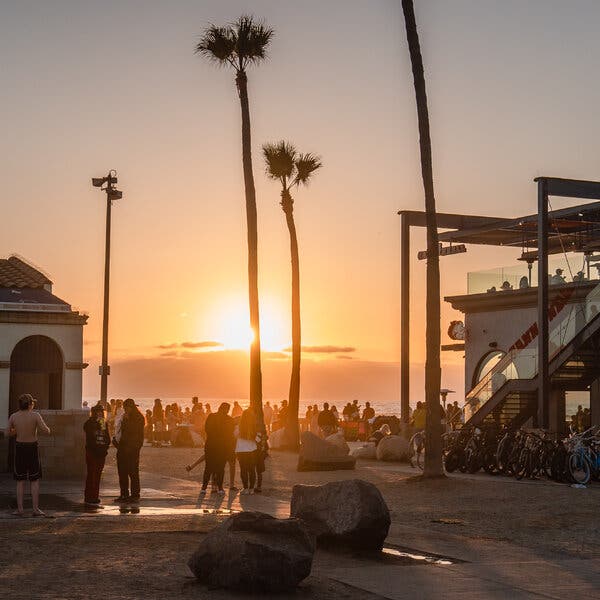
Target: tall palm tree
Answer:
pixel 291 169
pixel 433 433
pixel 240 45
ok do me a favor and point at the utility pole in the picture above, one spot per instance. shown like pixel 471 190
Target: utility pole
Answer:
pixel 111 194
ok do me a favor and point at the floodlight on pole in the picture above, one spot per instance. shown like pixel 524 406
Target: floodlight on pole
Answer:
pixel 111 194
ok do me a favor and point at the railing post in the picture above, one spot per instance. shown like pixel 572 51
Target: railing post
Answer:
pixel 542 306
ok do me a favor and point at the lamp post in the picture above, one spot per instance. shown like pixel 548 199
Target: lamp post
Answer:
pixel 111 194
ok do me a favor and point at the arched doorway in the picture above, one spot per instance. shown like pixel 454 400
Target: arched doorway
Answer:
pixel 36 368
pixel 487 362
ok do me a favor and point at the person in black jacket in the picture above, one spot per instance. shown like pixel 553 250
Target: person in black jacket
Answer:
pixel 97 441
pixel 129 439
pixel 220 444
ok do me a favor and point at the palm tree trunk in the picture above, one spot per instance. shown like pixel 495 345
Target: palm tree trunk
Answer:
pixel 251 217
pixel 433 432
pixel 292 427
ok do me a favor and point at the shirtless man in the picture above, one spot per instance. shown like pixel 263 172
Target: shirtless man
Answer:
pixel 25 424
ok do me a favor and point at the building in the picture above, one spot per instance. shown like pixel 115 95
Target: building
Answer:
pixel 41 353
pixel 531 331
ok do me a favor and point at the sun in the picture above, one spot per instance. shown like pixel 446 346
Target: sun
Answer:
pixel 230 325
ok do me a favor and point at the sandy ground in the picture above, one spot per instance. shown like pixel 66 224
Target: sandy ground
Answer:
pixel 113 558
pixel 537 514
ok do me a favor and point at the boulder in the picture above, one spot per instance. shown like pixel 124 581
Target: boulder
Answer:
pixel 393 447
pixel 277 439
pixel 254 552
pixel 339 440
pixel 367 451
pixel 317 454
pixel 352 513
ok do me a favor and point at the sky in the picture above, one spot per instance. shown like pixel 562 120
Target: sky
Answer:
pixel 89 87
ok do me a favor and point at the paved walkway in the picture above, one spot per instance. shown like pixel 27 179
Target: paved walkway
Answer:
pixel 473 568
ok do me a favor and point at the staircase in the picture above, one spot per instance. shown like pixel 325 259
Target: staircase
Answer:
pixel 507 395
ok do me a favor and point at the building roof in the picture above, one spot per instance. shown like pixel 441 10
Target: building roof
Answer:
pixel 16 273
pixel 37 296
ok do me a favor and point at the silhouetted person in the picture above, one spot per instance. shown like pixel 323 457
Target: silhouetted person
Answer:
pixel 97 441
pixel 220 444
pixel 129 442
pixel 327 421
pixel 245 450
pixel 25 424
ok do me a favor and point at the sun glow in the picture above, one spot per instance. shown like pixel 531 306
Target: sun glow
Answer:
pixel 231 326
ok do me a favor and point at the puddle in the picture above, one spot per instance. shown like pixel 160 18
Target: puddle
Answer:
pixel 407 554
pixel 152 510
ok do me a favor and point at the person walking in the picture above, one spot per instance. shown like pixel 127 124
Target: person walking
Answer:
pixel 245 450
pixel 25 425
pixel 219 445
pixel 129 443
pixel 97 441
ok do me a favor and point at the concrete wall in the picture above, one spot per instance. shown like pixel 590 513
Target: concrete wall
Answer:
pixel 63 451
pixel 69 338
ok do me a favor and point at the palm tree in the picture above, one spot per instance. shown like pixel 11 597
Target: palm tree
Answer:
pixel 291 169
pixel 241 45
pixel 433 434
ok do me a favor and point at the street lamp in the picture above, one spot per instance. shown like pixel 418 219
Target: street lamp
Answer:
pixel 106 184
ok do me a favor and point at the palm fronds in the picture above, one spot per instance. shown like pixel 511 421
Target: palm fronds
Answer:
pixel 280 160
pixel 306 165
pixel 285 164
pixel 239 44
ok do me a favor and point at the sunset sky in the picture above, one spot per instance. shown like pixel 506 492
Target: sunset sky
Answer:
pixel 89 86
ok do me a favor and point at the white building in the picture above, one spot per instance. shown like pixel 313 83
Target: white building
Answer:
pixel 41 342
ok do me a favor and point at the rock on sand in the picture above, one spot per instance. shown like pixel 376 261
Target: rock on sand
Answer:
pixel 254 552
pixel 352 513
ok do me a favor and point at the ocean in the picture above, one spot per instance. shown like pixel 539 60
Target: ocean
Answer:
pixel 381 408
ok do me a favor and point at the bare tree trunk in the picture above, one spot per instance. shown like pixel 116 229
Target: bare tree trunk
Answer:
pixel 433 429
pixel 251 217
pixel 292 426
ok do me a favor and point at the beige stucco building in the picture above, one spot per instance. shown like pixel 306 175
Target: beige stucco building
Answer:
pixel 41 342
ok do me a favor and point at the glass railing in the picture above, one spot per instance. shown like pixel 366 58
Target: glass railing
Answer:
pixel 517 277
pixel 567 320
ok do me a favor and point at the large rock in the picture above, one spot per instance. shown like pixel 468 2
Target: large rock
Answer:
pixel 338 439
pixel 393 447
pixel 366 451
pixel 254 552
pixel 352 513
pixel 317 454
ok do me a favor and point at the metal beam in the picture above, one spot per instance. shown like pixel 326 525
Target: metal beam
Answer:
pixel 404 316
pixel 542 306
pixel 571 188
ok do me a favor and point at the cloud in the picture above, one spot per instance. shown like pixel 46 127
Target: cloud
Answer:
pixel 206 344
pixel 346 357
pixel 324 349
pixel 275 355
pixel 171 353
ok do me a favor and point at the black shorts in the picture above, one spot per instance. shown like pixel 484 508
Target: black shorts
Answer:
pixel 27 465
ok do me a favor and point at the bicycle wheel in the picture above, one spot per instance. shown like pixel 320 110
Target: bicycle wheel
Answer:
pixel 452 460
pixel 579 468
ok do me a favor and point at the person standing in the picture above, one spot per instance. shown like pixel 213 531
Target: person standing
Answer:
pixel 237 410
pixel 220 444
pixel 97 441
pixel 327 421
pixel 245 450
pixel 25 425
pixel 268 416
pixel 129 443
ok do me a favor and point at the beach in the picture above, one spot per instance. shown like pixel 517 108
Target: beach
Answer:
pixel 468 517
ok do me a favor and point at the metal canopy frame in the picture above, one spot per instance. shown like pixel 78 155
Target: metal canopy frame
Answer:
pixel 582 222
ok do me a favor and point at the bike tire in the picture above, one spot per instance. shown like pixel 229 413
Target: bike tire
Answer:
pixel 579 468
